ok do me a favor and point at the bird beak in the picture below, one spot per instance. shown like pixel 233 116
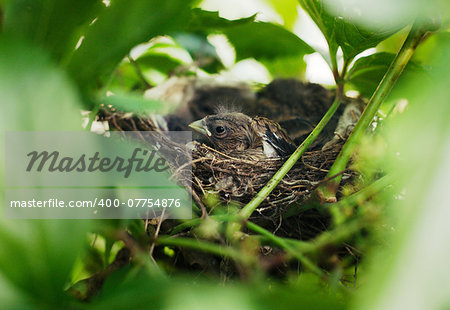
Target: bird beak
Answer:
pixel 200 126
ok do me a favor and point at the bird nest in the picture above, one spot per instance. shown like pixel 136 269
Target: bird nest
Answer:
pixel 286 210
pixel 234 180
pixel 239 180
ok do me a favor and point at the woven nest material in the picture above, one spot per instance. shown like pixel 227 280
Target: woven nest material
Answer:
pixel 239 180
pixel 234 179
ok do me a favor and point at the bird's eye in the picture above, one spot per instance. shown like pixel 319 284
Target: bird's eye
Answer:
pixel 220 130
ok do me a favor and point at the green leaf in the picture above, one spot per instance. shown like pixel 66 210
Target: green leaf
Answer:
pixel 35 94
pixel 355 39
pixel 122 26
pixel 54 24
pixel 134 289
pixel 207 21
pixel 203 23
pixel 126 78
pixel 323 20
pixel 342 32
pixel 261 40
pixel 11 297
pixel 36 256
pixel 201 51
pixel 158 61
pixel 367 72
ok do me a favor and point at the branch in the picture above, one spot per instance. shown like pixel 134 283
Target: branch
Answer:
pixel 415 36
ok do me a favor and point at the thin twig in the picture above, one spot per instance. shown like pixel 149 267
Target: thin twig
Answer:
pixel 139 71
pixel 158 227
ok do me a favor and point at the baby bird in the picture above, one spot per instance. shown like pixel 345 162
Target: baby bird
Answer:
pixel 240 135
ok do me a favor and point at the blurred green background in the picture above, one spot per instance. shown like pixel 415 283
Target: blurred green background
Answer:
pixel 58 57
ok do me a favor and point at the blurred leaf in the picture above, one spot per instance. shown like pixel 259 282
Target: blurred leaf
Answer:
pixel 287 9
pixel 34 92
pixel 107 41
pixel 185 293
pixel 412 270
pixel 367 72
pixel 343 32
pixel 427 50
pixel 134 103
pixel 11 297
pixel 203 23
pixel 207 21
pixel 170 48
pixel 130 288
pixel 55 25
pixel 307 291
pixel 394 42
pixel 286 67
pixel 93 260
pixel 37 256
pixel 372 14
pixel 137 230
pixel 158 61
pixel 265 41
pixel 203 52
pixel 126 79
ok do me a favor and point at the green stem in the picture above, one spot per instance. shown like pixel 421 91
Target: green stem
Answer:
pixel 203 246
pixel 334 66
pixel 415 36
pixel 1 19
pixel 357 199
pixel 92 116
pixel 269 187
pixel 296 253
pixel 300 245
pixel 339 234
pixel 345 67
pixel 294 248
pixel 282 242
pixel 366 193
pixel 197 221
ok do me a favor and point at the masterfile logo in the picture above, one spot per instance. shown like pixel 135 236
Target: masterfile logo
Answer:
pixel 85 175
pixel 55 162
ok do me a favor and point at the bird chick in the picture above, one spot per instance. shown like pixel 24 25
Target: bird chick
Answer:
pixel 240 135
